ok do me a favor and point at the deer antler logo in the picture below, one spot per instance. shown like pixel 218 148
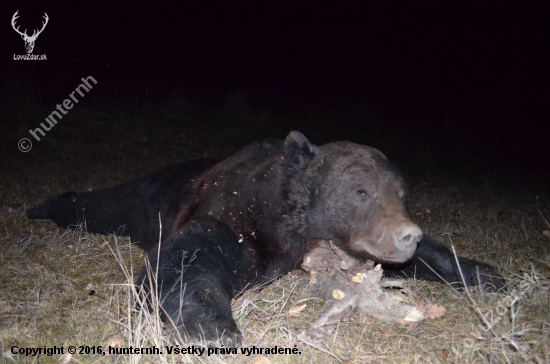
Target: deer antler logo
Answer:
pixel 29 41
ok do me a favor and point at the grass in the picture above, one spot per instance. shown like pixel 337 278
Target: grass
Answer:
pixel 67 287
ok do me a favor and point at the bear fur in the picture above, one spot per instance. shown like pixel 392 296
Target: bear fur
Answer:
pixel 241 222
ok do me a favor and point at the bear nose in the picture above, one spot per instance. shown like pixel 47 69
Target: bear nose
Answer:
pixel 408 235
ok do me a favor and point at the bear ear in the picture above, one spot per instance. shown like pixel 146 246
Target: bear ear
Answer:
pixel 298 150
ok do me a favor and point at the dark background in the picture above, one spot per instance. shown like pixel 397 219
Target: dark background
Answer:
pixel 466 76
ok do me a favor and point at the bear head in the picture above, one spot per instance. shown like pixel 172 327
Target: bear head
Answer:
pixel 351 195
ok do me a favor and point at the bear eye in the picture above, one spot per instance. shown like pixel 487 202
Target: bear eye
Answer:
pixel 362 192
pixel 401 195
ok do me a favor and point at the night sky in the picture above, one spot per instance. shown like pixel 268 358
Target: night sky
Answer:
pixel 480 69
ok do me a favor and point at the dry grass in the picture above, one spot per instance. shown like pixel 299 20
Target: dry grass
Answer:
pixel 67 287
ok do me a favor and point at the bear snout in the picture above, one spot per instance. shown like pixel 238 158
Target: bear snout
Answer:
pixel 388 244
pixel 407 236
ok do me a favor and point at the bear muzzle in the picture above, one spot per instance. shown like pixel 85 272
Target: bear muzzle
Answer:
pixel 407 239
pixel 395 245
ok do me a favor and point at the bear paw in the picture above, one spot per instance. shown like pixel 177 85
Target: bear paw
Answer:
pixel 482 275
pixel 212 334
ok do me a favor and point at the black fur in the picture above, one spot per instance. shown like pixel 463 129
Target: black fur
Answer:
pixel 432 256
pixel 200 270
pixel 128 209
pixel 242 222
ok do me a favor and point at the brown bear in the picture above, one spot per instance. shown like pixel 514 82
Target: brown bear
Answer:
pixel 235 224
